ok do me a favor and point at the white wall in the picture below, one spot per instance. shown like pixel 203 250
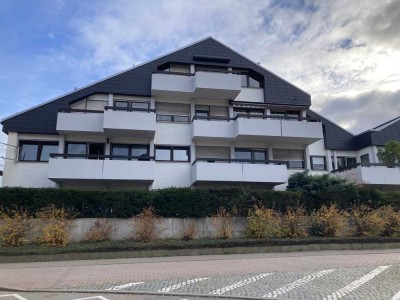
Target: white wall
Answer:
pixel 172 134
pixel 251 95
pixel 171 174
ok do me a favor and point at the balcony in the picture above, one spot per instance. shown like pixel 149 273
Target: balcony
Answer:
pixel 212 128
pixel 268 173
pixel 206 85
pixel 63 167
pixel 216 85
pixel 258 127
pixel 80 121
pixel 140 122
pixel 371 174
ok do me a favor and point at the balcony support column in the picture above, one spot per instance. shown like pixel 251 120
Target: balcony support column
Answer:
pixel 230 111
pixel 192 109
pixel 151 148
pixel 307 164
pixel 61 144
pixel 329 160
pixel 270 153
pixel 335 164
pixel 108 149
pixel 232 151
pixel 110 100
pixel 192 152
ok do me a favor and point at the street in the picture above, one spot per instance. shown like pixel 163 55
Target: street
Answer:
pixel 366 274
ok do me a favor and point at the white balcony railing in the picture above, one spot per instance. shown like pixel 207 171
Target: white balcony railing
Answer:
pixel 80 121
pixel 374 174
pixel 238 171
pixel 66 167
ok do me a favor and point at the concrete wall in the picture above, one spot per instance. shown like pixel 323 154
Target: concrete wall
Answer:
pixel 251 95
pixel 80 122
pixel 166 228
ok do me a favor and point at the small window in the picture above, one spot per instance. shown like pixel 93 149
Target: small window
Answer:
pixel 202 111
pixel 172 153
pixel 37 151
pixel 123 105
pixel 318 163
pixel 184 69
pixel 365 159
pixel 140 105
pixel 79 150
pixel 248 81
pixel 351 161
pixel 133 152
pixel 253 83
pixel 295 164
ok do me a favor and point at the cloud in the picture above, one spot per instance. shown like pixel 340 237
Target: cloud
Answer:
pixel 365 111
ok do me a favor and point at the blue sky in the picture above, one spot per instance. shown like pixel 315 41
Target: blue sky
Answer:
pixel 344 53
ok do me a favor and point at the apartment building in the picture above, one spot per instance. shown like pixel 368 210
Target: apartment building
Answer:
pixel 203 115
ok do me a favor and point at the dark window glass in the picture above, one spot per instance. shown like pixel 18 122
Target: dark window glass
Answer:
pixel 253 83
pixel 138 150
pixel 181 119
pixel 243 154
pixel 122 150
pixel 164 118
pixel 351 161
pixel 365 159
pixel 163 153
pixel 181 154
pixel 295 164
pixel 76 148
pixel 318 163
pixel 29 152
pixel 260 155
pixel 202 113
pixel 121 104
pixel 46 150
pixel 140 105
pixel 341 162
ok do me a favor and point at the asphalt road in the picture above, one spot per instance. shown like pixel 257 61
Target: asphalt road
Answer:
pixel 308 275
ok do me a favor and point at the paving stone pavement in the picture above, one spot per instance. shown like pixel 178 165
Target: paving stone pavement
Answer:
pixel 310 275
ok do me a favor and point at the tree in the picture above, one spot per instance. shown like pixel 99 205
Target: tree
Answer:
pixel 390 154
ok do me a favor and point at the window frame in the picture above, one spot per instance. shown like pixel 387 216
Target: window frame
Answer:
pixel 40 145
pixel 130 148
pixel 312 162
pixel 87 149
pixel 171 149
pixel 252 151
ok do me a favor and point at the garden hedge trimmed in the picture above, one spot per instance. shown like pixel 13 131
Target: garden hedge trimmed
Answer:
pixel 182 202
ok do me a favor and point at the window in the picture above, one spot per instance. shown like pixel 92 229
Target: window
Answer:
pixel 184 69
pixel 211 69
pixel 252 155
pixel 172 118
pixel 343 162
pixel 129 151
pixel 365 159
pixel 294 157
pixel 85 150
pixel 140 105
pixel 247 111
pixel 318 163
pixel 248 81
pixel 202 111
pixel 289 114
pixel 172 153
pixel 125 104
pixel 37 151
pixel 173 112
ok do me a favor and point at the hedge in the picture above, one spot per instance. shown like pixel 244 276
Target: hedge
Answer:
pixel 185 202
pixel 171 202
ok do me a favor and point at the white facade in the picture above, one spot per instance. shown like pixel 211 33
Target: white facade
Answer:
pixel 196 129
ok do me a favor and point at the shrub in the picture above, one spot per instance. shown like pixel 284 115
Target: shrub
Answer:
pixel 188 230
pixel 392 226
pixel 294 223
pixel 14 226
pixel 329 221
pixel 145 225
pixel 368 222
pixel 224 222
pixel 100 231
pixel 55 227
pixel 262 223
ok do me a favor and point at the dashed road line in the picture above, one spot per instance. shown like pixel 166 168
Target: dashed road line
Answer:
pixel 397 296
pixel 181 284
pixel 123 286
pixel 13 295
pixel 239 284
pixel 356 284
pixel 94 297
pixel 288 287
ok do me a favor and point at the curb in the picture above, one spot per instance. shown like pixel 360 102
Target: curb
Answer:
pixel 206 296
pixel 198 251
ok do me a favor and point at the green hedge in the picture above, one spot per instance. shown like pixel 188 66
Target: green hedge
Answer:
pixel 186 202
pixel 172 202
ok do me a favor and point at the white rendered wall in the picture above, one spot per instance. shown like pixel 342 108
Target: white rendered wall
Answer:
pixel 25 174
pixel 251 95
pixel 172 134
pixel 171 174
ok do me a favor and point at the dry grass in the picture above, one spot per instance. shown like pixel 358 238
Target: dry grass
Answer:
pixel 263 223
pixel 145 225
pixel 329 221
pixel 295 223
pixel 100 231
pixel 224 221
pixel 14 226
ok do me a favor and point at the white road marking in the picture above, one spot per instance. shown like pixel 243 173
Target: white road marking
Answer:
pixel 239 284
pixel 123 286
pixel 181 284
pixel 288 287
pixel 356 284
pixel 397 296
pixel 95 297
pixel 13 295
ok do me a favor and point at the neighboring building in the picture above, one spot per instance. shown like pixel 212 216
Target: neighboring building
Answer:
pixel 203 115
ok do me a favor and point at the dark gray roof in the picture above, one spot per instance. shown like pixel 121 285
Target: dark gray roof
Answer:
pixel 380 135
pixel 137 82
pixel 335 137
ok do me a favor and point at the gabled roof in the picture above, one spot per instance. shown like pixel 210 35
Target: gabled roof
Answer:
pixel 380 135
pixel 137 82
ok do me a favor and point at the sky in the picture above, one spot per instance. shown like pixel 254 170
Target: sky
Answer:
pixel 346 54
